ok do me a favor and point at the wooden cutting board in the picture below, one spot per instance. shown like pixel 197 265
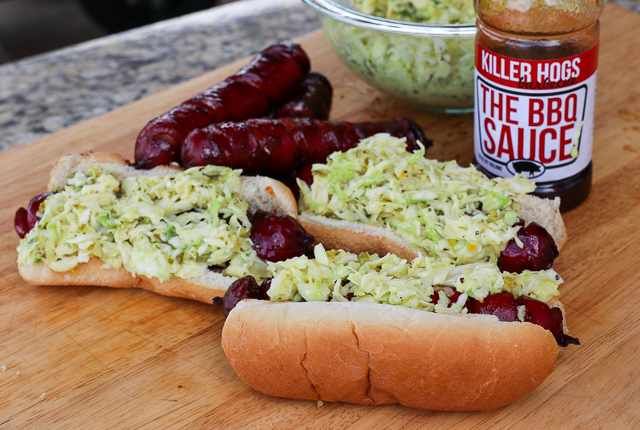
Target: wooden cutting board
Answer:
pixel 85 357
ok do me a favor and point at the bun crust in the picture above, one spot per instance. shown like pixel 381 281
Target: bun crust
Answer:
pixel 93 273
pixel 116 163
pixel 259 192
pixel 357 237
pixel 382 354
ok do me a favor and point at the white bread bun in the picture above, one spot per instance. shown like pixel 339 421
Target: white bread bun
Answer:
pixel 358 237
pixel 259 192
pixel 382 354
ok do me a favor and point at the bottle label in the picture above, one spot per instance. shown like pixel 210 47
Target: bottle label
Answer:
pixel 534 117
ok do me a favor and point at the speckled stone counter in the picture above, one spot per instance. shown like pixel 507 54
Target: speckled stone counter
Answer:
pixel 48 93
pixel 633 5
pixel 45 94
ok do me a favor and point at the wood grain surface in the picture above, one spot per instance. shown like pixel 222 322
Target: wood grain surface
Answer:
pixel 97 358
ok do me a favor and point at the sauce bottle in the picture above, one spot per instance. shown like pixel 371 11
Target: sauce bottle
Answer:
pixel 535 81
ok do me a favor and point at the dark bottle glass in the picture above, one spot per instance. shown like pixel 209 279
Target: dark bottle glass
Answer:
pixel 536 67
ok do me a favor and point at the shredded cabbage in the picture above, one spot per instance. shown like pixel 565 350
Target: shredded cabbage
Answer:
pixel 158 226
pixel 441 209
pixel 436 72
pixel 392 280
pixel 425 11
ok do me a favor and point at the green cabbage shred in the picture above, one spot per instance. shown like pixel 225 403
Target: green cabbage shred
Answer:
pixel 442 210
pixel 159 226
pixel 424 11
pixel 436 72
pixel 335 274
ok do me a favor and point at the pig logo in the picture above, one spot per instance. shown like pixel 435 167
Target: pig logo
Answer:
pixel 532 168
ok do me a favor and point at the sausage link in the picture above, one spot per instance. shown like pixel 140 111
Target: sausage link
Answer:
pixel 240 99
pixel 275 75
pixel 310 99
pixel 250 93
pixel 277 147
pixel 284 145
pixel 293 51
pixel 308 139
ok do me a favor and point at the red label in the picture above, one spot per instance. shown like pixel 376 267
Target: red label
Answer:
pixel 533 74
pixel 534 117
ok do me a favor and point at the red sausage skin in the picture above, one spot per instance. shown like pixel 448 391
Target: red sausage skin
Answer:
pixel 310 99
pixel 286 144
pixel 251 93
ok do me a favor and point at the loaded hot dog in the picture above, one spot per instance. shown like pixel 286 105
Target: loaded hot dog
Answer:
pixel 251 93
pixel 379 198
pixel 180 233
pixel 382 330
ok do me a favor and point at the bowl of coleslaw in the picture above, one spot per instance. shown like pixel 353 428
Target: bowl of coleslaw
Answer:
pixel 420 51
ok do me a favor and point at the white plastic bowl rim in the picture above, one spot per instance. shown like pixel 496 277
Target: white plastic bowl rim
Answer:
pixel 350 16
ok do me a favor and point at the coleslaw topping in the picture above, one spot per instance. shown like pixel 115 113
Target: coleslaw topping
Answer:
pixel 337 275
pixel 440 209
pixel 158 226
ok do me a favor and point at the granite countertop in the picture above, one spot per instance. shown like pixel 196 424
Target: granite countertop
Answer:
pixel 48 93
pixel 41 95
pixel 633 5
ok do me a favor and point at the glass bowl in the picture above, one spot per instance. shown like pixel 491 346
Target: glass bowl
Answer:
pixel 428 66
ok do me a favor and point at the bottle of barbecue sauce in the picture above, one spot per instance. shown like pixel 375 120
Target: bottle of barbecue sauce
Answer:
pixel 535 84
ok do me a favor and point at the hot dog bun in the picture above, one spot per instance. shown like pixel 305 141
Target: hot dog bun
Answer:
pixel 382 354
pixel 359 237
pixel 259 192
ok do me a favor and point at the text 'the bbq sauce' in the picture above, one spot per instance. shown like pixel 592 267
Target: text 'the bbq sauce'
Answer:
pixel 535 82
